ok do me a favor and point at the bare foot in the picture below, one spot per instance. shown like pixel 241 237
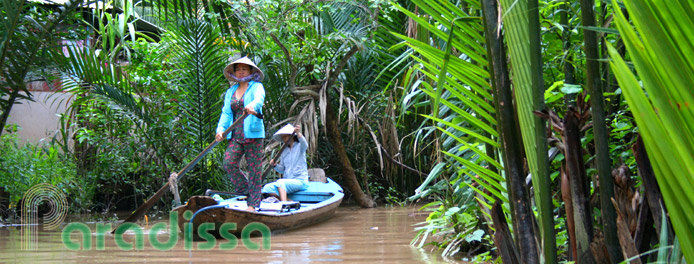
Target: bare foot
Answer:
pixel 250 209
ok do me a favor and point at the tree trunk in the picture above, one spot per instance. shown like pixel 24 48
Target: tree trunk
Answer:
pixel 652 191
pixel 601 137
pixel 345 164
pixel 541 181
pixel 644 231
pixel 625 240
pixel 569 100
pixel 569 209
pixel 502 236
pixel 510 137
pixel 580 192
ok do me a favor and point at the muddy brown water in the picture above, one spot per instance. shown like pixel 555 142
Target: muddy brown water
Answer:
pixel 352 235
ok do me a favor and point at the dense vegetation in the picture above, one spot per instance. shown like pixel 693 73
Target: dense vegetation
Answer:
pixel 532 130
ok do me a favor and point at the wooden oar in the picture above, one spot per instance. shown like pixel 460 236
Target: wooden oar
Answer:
pixel 140 211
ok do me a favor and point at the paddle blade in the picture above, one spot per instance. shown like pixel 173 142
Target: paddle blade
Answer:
pixel 140 211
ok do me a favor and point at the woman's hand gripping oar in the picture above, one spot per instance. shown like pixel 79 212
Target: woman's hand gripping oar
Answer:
pixel 140 211
pixel 269 168
pixel 298 119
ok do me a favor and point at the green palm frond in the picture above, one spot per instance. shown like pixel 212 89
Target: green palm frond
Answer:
pixel 86 74
pixel 198 76
pixel 348 23
pixel 11 37
pixel 465 114
pixel 660 45
pixel 360 70
pixel 276 74
pixel 124 101
pixel 467 33
pixel 392 59
pixel 467 77
pixel 88 67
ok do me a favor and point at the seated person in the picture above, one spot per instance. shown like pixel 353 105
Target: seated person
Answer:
pixel 292 164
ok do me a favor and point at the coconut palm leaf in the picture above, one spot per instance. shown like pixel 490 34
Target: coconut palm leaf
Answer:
pixel 85 74
pixel 198 76
pixel 660 45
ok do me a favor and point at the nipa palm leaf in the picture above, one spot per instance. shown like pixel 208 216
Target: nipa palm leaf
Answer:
pixel 462 93
pixel 660 44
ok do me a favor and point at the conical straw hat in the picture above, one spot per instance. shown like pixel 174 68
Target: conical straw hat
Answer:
pixel 229 69
pixel 285 130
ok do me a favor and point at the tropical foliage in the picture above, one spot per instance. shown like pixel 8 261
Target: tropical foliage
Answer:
pixel 490 114
pixel 516 22
pixel 24 166
pixel 27 31
pixel 461 101
pixel 661 100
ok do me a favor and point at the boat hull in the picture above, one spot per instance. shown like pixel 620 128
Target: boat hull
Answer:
pixel 311 212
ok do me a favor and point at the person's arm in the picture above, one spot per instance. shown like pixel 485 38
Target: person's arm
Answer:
pixel 226 116
pixel 279 167
pixel 258 98
pixel 303 144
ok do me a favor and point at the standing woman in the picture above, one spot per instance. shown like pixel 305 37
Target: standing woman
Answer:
pixel 247 95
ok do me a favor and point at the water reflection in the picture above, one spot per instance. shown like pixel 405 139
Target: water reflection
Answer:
pixel 352 235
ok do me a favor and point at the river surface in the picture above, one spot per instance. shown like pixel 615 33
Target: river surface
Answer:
pixel 352 235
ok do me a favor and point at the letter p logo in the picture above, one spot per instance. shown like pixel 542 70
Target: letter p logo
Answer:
pixel 35 196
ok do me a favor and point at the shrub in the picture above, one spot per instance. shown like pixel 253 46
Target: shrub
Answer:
pixel 24 166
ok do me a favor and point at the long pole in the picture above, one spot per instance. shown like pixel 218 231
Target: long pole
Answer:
pixel 140 211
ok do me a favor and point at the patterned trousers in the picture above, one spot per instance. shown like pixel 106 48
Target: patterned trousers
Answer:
pixel 253 150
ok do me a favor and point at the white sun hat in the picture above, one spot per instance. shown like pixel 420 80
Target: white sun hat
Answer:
pixel 229 69
pixel 288 129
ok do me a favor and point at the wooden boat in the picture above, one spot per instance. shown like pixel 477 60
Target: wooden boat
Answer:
pixel 316 204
